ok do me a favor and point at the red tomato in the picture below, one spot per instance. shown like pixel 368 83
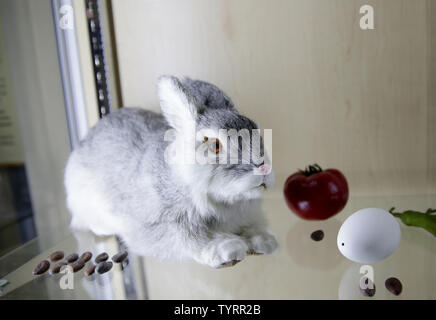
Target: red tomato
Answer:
pixel 316 194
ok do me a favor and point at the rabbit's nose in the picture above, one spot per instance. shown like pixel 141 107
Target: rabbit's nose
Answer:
pixel 265 169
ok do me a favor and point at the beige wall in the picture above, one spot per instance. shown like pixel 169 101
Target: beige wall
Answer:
pixel 431 85
pixel 332 93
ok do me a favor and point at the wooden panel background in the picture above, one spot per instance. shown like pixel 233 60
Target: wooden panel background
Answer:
pixel 360 101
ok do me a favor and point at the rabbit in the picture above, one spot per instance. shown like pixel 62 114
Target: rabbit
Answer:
pixel 122 180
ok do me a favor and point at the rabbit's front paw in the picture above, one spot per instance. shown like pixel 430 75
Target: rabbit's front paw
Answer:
pixel 224 252
pixel 262 244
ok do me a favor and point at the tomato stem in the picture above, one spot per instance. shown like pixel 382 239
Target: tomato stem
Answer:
pixel 311 169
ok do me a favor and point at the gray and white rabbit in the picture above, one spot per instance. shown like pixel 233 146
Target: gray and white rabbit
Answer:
pixel 119 179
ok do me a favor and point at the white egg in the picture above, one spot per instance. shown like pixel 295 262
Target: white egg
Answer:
pixel 369 235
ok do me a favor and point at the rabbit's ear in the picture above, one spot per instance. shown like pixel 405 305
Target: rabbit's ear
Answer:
pixel 178 105
pixel 208 95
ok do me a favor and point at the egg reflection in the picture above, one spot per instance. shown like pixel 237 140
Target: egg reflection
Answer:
pixel 349 284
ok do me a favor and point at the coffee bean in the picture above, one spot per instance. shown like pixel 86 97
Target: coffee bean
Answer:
pixel 78 265
pixel 367 291
pixel 394 285
pixel 104 266
pixel 55 256
pixel 89 270
pixel 41 267
pixel 317 235
pixel 119 257
pixel 57 267
pixel 72 257
pixel 101 257
pixel 85 257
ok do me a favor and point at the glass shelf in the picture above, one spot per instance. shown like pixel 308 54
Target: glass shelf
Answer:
pixel 301 269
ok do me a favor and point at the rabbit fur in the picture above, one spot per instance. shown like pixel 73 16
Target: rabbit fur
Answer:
pixel 119 180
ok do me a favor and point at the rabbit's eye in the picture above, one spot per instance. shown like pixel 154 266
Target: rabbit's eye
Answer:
pixel 214 145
